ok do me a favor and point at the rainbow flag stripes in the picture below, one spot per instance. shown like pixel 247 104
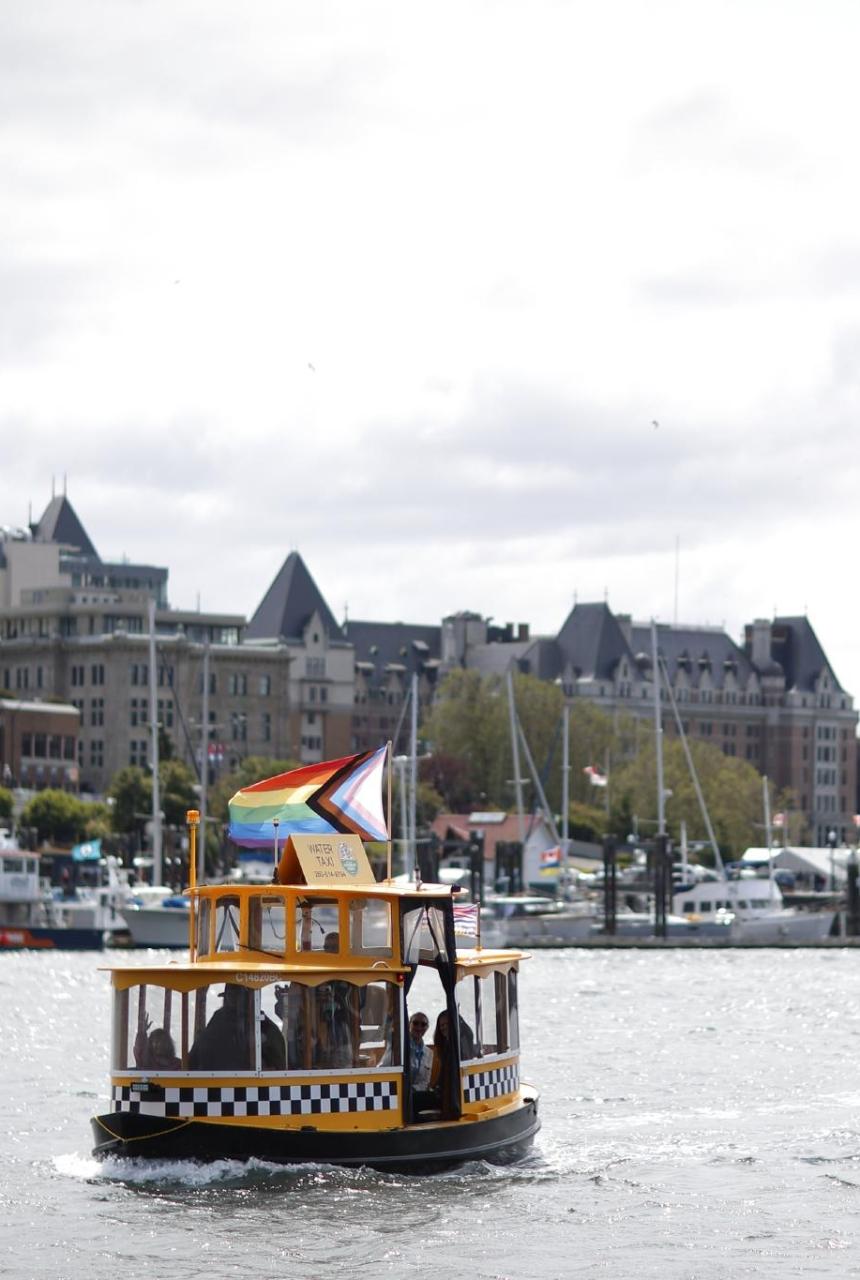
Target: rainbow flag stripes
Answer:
pixel 331 797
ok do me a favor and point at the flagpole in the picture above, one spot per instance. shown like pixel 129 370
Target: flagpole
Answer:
pixel 388 820
pixel 276 822
pixel 192 817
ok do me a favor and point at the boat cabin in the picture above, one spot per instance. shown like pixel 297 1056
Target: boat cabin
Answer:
pixel 304 992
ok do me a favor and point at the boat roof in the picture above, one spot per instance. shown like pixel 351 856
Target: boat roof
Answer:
pixel 316 968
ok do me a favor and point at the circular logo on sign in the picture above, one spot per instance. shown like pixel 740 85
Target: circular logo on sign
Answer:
pixel 347 860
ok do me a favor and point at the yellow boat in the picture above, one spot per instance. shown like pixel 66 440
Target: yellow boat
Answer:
pixel 286 1037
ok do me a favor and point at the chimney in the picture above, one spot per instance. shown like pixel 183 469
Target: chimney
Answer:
pixel 761 633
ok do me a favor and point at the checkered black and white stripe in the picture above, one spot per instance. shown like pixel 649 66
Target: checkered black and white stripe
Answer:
pixel 491 1084
pixel 259 1100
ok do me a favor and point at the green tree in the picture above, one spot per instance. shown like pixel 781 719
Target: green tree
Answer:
pixel 731 788
pixel 177 791
pixel 7 804
pixel 56 815
pixel 131 792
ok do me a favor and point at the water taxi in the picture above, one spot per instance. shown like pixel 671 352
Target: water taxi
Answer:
pixel 295 1033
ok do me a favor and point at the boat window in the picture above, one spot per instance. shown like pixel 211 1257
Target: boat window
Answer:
pixel 323 1027
pixel 704 907
pixel 203 914
pixel 267 923
pixel 150 1030
pixel 689 906
pixel 743 904
pixel 513 1012
pixel 317 925
pixel 227 1032
pixel 469 1006
pixel 227 924
pixel 423 935
pixel 760 904
pixel 489 1014
pixel 370 927
pixel 378 1045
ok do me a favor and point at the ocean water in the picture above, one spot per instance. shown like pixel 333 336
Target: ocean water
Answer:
pixel 701 1118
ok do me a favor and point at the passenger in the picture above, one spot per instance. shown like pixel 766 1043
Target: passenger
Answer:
pixel 225 1042
pixel 441 1080
pixel 154 1050
pixel 420 1055
pixel 331 942
pixel 333 1047
pixel 289 1007
pixel 161 1052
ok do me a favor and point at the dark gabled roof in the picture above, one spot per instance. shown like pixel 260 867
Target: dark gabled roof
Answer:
pixel 591 641
pixel 542 658
pixel 795 646
pixel 384 644
pixel 60 523
pixel 285 609
pixel 693 649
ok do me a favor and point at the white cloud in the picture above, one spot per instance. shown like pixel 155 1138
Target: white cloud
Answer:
pixel 405 290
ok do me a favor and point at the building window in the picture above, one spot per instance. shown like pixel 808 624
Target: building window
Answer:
pixel 238 726
pixel 237 685
pixel 97 673
pixel 137 752
pixel 97 754
pixel 315 667
pixel 264 686
pixel 266 730
pixel 165 713
pixel 97 711
pixel 138 712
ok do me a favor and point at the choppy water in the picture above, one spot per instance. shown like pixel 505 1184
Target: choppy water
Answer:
pixel 701 1118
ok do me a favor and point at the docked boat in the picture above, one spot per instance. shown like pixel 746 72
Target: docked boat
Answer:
pixel 162 922
pixel 30 918
pixel 757 909
pixel 286 1035
pixel 535 921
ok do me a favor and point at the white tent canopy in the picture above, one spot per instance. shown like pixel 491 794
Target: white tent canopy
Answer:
pixel 809 862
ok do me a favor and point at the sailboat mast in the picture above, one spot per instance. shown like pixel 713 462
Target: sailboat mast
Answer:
pixel 153 737
pixel 658 734
pixel 515 752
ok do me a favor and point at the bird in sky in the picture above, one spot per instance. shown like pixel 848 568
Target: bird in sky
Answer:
pixel 310 366
pixel 654 423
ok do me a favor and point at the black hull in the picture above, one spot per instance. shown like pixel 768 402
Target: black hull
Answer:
pixel 46 938
pixel 416 1149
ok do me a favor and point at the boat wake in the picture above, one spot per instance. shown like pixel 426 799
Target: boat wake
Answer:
pixel 193 1173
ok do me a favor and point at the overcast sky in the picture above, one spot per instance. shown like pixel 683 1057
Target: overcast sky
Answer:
pixel 407 288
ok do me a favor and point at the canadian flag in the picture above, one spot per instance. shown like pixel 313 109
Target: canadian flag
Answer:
pixel 778 820
pixel 595 777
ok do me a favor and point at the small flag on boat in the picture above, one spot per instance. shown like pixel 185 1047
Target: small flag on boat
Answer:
pixel 466 919
pixel 331 797
pixel 89 851
pixel 595 777
pixel 550 860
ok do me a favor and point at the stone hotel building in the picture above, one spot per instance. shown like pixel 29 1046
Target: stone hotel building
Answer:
pixel 293 683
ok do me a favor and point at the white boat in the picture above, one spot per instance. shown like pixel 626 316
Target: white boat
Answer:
pixel 759 912
pixel 523 921
pixel 158 924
